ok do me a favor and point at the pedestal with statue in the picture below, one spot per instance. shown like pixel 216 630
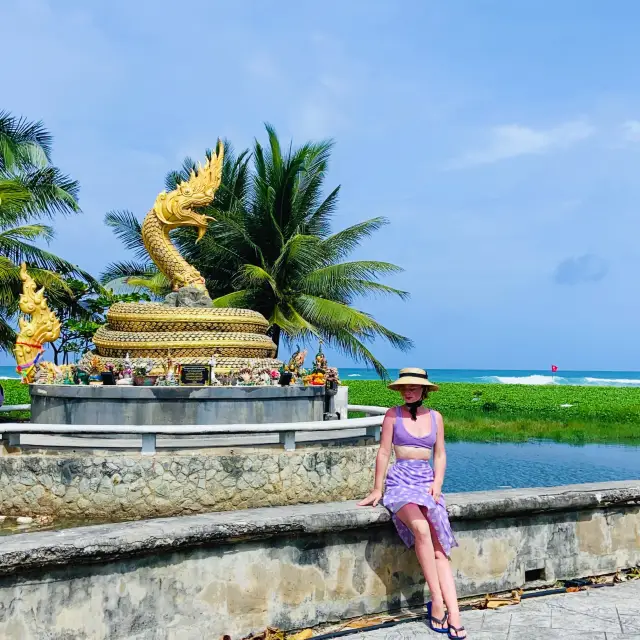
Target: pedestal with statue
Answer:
pixel 180 361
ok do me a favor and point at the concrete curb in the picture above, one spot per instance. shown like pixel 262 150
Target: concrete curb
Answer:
pixel 98 543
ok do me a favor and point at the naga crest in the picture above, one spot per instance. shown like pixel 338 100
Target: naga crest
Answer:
pixel 173 209
pixel 43 326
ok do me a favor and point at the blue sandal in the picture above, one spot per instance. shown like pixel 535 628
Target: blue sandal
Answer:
pixel 431 619
pixel 457 630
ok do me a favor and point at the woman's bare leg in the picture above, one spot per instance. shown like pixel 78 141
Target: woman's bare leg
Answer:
pixel 413 517
pixel 447 583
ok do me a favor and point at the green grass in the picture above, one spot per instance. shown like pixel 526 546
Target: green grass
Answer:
pixel 508 413
pixel 516 413
pixel 15 393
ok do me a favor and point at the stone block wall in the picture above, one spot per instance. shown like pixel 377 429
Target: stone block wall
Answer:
pixel 122 486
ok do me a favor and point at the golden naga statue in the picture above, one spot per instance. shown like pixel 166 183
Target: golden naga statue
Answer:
pixel 43 327
pixel 173 210
pixel 186 324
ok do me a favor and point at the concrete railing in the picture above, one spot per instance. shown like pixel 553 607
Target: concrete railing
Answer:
pixel 6 408
pixel 13 431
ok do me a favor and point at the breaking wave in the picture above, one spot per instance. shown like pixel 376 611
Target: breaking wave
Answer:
pixel 533 379
pixel 538 379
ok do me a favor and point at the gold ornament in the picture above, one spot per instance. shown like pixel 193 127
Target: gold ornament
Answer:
pixel 43 327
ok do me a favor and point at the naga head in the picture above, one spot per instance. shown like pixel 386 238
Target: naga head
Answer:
pixel 175 208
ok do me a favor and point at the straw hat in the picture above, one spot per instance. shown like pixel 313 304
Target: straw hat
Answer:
pixel 412 375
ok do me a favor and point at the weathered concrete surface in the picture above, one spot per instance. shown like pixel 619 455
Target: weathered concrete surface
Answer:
pixel 202 576
pixel 69 404
pixel 598 614
pixel 121 486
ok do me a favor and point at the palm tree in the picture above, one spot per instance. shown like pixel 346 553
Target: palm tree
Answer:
pixel 271 249
pixel 31 190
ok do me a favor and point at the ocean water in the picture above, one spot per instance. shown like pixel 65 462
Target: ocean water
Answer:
pixel 494 376
pixel 506 376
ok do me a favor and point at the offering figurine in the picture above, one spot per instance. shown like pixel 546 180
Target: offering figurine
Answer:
pixel 168 377
pixel 320 363
pixel 212 366
pixel 127 373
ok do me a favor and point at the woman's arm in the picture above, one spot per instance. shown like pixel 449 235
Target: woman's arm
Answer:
pixel 382 460
pixel 439 460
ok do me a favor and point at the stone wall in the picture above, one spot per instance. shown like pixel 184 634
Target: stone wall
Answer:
pixel 293 567
pixel 121 486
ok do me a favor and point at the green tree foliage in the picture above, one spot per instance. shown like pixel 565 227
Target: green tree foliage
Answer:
pixel 32 192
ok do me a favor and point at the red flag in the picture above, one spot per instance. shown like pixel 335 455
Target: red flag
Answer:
pixel 553 368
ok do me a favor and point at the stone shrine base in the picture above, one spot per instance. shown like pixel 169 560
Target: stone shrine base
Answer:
pixel 293 567
pixel 76 405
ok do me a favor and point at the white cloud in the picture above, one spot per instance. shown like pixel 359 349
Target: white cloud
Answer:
pixel 513 140
pixel 631 130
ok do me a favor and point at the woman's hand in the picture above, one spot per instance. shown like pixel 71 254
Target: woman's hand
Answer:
pixel 372 499
pixel 436 491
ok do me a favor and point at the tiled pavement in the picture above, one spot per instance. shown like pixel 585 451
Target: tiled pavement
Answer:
pixel 607 613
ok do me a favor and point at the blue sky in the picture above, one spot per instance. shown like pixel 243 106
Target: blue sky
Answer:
pixel 500 138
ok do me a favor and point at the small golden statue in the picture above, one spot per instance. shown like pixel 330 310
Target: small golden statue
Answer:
pixel 43 327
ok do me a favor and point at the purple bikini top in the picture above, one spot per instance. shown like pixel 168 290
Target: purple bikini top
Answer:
pixel 401 437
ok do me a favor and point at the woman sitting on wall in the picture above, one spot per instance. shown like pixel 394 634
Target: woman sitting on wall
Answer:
pixel 413 493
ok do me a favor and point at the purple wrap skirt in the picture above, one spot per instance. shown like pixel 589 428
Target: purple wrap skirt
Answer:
pixel 408 482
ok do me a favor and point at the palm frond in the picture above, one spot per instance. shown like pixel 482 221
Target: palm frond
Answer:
pixel 52 192
pixel 318 222
pixel 339 245
pixel 27 232
pixel 19 251
pixel 251 275
pixel 157 284
pixel 345 280
pixel 329 316
pixel 13 199
pixel 128 229
pixel 355 349
pixel 23 144
pixel 299 254
pixel 292 323
pixel 236 299
pixel 125 269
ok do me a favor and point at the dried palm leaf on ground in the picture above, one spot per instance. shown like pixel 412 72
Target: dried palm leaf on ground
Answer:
pixel 634 574
pixel 305 634
pixel 362 623
pixel 495 602
pixel 270 633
